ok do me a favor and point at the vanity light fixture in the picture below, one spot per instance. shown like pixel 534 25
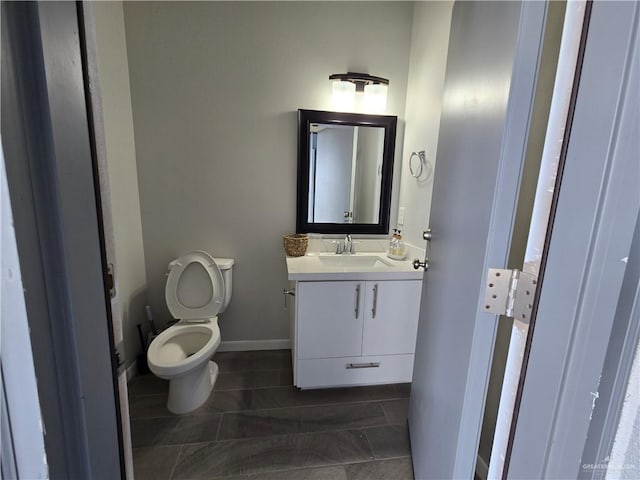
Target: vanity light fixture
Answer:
pixel 346 85
pixel 343 96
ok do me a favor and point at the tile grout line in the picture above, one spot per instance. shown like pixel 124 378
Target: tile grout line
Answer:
pixel 313 467
pixel 342 465
pixel 260 437
pixel 219 427
pixel 356 402
pixel 254 437
pixel 277 435
pixel 373 454
pixel 384 412
pixel 251 410
pixel 175 464
pixel 397 457
pixel 296 469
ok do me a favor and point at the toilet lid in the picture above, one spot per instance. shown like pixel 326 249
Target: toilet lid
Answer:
pixel 195 287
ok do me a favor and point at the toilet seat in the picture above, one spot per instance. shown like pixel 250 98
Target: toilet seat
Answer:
pixel 181 355
pixel 188 294
pixel 180 347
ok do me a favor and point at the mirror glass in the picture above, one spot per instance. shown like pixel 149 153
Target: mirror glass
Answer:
pixel 344 172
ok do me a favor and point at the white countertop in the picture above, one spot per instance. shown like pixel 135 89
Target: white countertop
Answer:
pixel 359 266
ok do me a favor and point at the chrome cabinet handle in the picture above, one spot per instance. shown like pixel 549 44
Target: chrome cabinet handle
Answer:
pixel 285 294
pixel 357 309
pixel 351 366
pixel 375 301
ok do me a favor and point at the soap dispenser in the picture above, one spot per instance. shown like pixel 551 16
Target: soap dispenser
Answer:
pixel 394 245
pixel 397 249
pixel 400 251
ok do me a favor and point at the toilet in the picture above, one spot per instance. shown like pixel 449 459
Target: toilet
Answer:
pixel 198 290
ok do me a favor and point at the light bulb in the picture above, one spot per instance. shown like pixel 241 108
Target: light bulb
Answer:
pixel 344 95
pixel 375 98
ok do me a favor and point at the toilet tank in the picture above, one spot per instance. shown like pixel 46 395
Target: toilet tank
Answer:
pixel 226 268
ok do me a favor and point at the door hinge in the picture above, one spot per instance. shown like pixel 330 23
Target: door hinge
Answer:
pixel 118 356
pixel 510 293
pixel 111 280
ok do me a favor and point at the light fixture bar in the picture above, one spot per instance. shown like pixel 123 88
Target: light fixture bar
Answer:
pixel 359 79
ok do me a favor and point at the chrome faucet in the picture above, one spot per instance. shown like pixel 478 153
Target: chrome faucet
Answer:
pixel 349 246
pixel 345 247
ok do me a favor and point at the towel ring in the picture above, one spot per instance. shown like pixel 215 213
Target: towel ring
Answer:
pixel 417 171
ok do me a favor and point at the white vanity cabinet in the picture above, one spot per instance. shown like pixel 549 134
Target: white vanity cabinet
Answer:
pixel 391 317
pixel 330 318
pixel 355 332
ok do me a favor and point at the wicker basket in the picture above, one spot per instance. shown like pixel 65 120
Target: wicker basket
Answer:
pixel 295 245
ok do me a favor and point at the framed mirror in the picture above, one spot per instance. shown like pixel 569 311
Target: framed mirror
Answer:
pixel 345 169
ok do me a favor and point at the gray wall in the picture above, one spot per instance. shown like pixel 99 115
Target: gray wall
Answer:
pixel 129 262
pixel 215 88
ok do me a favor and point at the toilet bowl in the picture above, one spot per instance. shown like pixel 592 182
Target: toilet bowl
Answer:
pixel 198 289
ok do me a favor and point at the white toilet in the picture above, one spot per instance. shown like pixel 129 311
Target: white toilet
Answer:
pixel 198 290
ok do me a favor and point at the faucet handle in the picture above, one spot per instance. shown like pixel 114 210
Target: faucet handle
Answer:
pixel 349 246
pixel 340 247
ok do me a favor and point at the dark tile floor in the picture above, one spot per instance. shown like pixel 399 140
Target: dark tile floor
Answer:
pixel 256 425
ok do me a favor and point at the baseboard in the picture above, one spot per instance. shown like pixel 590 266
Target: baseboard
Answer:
pixel 132 370
pixel 482 469
pixel 248 345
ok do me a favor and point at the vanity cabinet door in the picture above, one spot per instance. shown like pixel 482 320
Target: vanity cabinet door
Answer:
pixel 391 321
pixel 330 319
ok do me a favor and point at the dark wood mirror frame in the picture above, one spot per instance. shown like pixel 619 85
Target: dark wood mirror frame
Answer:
pixel 308 117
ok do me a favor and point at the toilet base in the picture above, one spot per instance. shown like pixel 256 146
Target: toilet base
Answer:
pixel 188 392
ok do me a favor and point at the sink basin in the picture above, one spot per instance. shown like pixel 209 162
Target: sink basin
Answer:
pixel 368 265
pixel 355 261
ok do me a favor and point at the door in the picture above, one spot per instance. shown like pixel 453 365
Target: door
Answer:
pixel 489 88
pixel 391 310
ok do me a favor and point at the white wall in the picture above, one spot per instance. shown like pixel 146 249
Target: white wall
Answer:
pixel 123 179
pixel 429 45
pixel 215 89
